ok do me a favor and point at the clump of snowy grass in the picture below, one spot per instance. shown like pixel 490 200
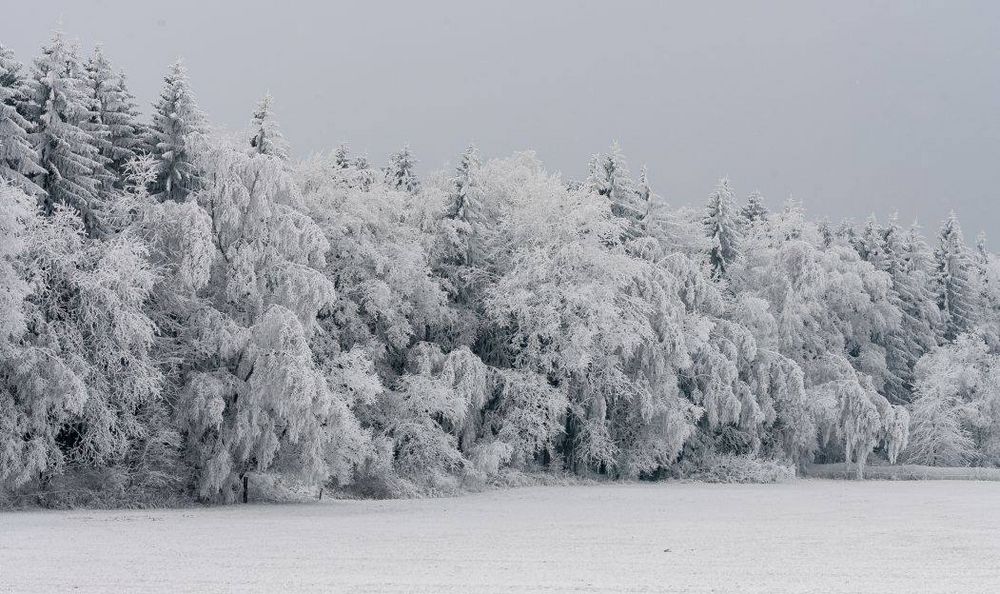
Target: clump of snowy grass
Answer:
pixel 732 468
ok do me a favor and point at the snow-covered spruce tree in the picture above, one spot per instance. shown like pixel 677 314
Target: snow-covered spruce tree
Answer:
pixel 114 117
pixel 460 236
pixel 873 247
pixel 917 332
pixel 458 200
pixel 722 227
pixel 251 398
pixel 177 125
pixel 644 195
pixel 918 264
pixel 342 156
pixel 754 210
pixel 265 135
pixel 609 176
pixel 987 278
pixel 58 108
pixel 18 157
pixel 953 278
pixel 366 176
pixel 400 173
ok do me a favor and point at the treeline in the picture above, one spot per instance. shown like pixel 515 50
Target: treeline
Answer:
pixel 181 309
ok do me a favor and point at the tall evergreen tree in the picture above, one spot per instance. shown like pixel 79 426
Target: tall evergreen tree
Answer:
pixel 754 210
pixel 721 224
pixel 986 280
pixel 69 158
pixel 176 121
pixel 266 137
pixel 953 279
pixel 400 174
pixel 342 156
pixel 916 333
pixel 871 245
pixel 609 176
pixel 366 175
pixel 644 194
pixel 114 115
pixel 18 158
pixel 458 203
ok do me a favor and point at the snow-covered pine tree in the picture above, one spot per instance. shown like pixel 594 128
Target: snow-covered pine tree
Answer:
pixel 400 173
pixel 18 158
pixel 113 115
pixel 366 176
pixel 644 195
pixel 721 224
pixel 458 200
pixel 265 135
pixel 916 334
pixel 342 156
pixel 956 296
pixel 610 177
pixel 895 373
pixel 987 280
pixel 177 122
pixel 754 210
pixel 59 108
pixel 918 264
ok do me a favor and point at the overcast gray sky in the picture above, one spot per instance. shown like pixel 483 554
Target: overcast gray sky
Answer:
pixel 852 107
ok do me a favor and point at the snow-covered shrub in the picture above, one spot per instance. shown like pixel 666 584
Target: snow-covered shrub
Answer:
pixel 736 468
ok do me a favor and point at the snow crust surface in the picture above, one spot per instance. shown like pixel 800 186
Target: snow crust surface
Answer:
pixel 801 536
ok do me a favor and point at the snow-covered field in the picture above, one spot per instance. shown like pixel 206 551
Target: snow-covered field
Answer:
pixel 806 535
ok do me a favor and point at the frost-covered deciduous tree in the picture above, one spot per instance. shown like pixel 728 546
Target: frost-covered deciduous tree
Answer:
pixel 954 415
pixel 19 159
pixel 177 125
pixel 84 389
pixel 251 398
pixel 38 391
pixel 602 326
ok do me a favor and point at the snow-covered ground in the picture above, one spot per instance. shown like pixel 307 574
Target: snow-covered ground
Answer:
pixel 806 535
